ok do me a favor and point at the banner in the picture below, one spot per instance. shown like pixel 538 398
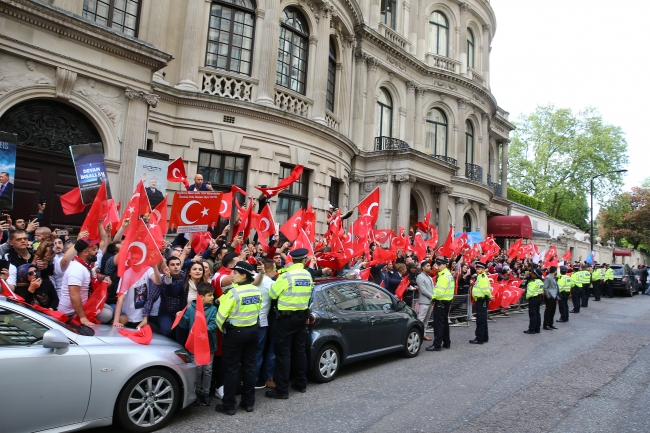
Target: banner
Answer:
pixel 7 170
pixel 91 170
pixel 194 211
pixel 151 168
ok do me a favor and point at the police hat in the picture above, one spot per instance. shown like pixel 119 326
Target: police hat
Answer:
pixel 481 265
pixel 585 266
pixel 299 253
pixel 245 268
pixel 537 273
pixel 442 261
pixel 564 269
pixel 576 267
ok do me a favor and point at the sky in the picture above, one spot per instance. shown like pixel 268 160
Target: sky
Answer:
pixel 576 54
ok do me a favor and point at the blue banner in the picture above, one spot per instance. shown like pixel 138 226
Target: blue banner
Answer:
pixel 472 237
pixel 7 170
pixel 91 170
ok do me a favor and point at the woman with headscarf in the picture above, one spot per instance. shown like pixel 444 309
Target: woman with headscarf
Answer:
pixel 34 289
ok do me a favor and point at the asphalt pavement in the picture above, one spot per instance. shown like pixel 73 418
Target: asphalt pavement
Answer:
pixel 590 375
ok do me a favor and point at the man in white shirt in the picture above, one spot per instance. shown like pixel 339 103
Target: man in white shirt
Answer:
pixel 64 254
pixel 76 283
pixel 264 378
pixel 129 307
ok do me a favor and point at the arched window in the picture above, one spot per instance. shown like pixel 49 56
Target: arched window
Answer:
pixel 469 143
pixel 470 48
pixel 121 15
pixel 467 223
pixel 331 77
pixel 438 34
pixel 230 35
pixel 292 51
pixel 389 12
pixel 436 132
pixel 384 114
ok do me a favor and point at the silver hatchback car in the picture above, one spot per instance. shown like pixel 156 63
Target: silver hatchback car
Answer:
pixel 55 378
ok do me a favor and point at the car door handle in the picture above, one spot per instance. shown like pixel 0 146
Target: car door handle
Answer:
pixel 372 318
pixel 335 319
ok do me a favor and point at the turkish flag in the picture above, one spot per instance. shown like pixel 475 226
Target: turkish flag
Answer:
pixel 403 285
pixel 334 261
pixel 495 303
pixel 176 172
pixel 490 249
pixel 302 241
pixel 291 229
pixel 419 247
pixel 197 342
pixel 309 223
pixel 201 241
pixel 138 205
pixel 362 227
pixel 424 225
pixel 472 253
pixel 8 293
pixel 335 226
pixel 113 216
pixel 138 253
pixel 460 243
pixel 513 251
pixel 284 183
pixel 94 304
pixel 264 225
pixel 365 274
pixel 550 258
pixel 399 241
pixel 353 248
pixel 245 219
pixel 446 250
pixel 194 211
pixel 383 236
pixel 382 256
pixel 567 255
pixel 369 207
pixel 98 211
pixel 71 202
pixel 61 317
pixel 178 318
pixel 432 242
pixel 140 336
pixel 158 222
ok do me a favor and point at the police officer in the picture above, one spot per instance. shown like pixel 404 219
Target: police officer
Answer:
pixel 443 293
pixel 534 291
pixel 576 292
pixel 597 281
pixel 609 281
pixel 237 319
pixel 292 290
pixel 564 285
pixel 482 294
pixel 585 278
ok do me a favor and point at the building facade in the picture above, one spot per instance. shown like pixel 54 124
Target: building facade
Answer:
pixel 392 94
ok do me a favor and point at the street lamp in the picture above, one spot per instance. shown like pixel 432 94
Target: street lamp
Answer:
pixel 591 238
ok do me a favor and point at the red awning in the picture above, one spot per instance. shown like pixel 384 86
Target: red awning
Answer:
pixel 518 226
pixel 626 253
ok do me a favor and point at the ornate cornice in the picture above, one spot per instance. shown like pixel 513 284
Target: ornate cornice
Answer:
pixel 149 98
pixel 406 178
pixel 461 200
pixel 354 177
pixel 444 190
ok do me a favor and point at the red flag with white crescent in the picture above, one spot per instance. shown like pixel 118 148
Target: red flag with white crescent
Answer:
pixel 302 241
pixel 138 253
pixel 291 229
pixel 194 211
pixel 158 222
pixel 284 183
pixel 264 225
pixel 176 172
pixel 369 207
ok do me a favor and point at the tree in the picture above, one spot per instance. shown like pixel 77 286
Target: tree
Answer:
pixel 555 152
pixel 626 217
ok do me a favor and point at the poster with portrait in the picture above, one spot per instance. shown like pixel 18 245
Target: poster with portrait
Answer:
pixel 91 170
pixel 151 169
pixel 7 170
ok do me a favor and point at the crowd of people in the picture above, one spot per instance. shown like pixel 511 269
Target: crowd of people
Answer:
pixel 254 294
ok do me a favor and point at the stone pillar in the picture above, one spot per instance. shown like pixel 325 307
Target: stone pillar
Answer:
pixel 269 53
pixel 459 214
pixel 404 184
pixel 484 145
pixel 371 105
pixel 460 137
pixel 74 6
pixel 504 168
pixel 189 58
pixel 485 52
pixel 462 49
pixel 422 27
pixel 258 55
pixel 355 183
pixel 319 88
pixel 365 10
pixel 375 14
pixel 406 7
pixel 410 113
pixel 443 212
pixel 157 32
pixel 360 72
pixel 482 219
pixel 135 137
pixel 418 123
pixel 344 99
pixel 413 27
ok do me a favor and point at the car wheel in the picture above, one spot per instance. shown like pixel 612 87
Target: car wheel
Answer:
pixel 413 343
pixel 148 401
pixel 630 292
pixel 327 364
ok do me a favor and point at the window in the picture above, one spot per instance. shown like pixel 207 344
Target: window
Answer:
pixel 470 48
pixel 375 298
pixel 222 170
pixel 438 34
pixel 469 142
pixel 436 132
pixel 292 198
pixel 384 114
pixel 292 51
pixel 19 330
pixel 467 223
pixel 389 12
pixel 331 77
pixel 121 15
pixel 346 297
pixel 335 190
pixel 230 35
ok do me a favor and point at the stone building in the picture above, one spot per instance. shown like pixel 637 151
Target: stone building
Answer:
pixel 388 93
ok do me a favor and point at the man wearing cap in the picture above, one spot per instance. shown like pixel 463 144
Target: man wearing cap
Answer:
pixel 292 290
pixel 237 318
pixel 564 285
pixel 534 291
pixel 597 281
pixel 576 292
pixel 609 280
pixel 482 294
pixel 77 283
pixel 550 296
pixel 443 293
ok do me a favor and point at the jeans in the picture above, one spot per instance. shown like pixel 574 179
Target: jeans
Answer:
pixel 204 377
pixel 265 355
pixel 165 322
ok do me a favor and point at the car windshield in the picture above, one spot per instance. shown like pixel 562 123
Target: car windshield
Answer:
pixel 619 271
pixel 72 328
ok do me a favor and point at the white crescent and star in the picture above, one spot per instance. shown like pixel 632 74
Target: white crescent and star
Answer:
pixel 268 224
pixel 375 204
pixel 174 173
pixel 143 248
pixel 224 206
pixel 157 213
pixel 184 211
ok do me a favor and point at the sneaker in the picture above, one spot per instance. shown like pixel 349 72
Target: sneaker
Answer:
pixel 206 401
pixel 198 400
pixel 219 392
pixel 260 385
pixel 270 384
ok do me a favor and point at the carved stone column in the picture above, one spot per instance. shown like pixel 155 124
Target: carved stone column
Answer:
pixel 258 55
pixel 460 137
pixel 269 53
pixel 484 146
pixel 504 168
pixel 482 219
pixel 360 72
pixel 486 54
pixel 157 31
pixel 462 52
pixel 410 113
pixel 375 14
pixel 405 19
pixel 413 27
pixel 319 91
pixel 189 59
pixel 443 212
pixel 371 105
pixel 135 137
pixel 418 123
pixel 355 183
pixel 404 184
pixel 460 213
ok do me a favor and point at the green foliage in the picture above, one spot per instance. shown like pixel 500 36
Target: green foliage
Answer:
pixel 626 218
pixel 554 154
pixel 525 199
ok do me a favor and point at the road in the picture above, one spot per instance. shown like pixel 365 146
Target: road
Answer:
pixel 591 375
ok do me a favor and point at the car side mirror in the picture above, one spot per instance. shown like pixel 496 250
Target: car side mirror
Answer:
pixel 401 305
pixel 55 339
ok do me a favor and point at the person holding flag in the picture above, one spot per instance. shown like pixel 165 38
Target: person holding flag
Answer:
pixel 443 293
pixel 482 296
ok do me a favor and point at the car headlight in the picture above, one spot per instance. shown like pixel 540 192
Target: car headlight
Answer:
pixel 184 355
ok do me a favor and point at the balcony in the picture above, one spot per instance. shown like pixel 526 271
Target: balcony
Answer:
pixel 446 159
pixel 442 62
pixel 332 121
pixel 394 37
pixel 292 102
pixel 476 77
pixel 389 143
pixel 221 84
pixel 496 187
pixel 474 172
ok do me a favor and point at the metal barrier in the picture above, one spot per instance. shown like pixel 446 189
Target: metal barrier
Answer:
pixel 460 312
